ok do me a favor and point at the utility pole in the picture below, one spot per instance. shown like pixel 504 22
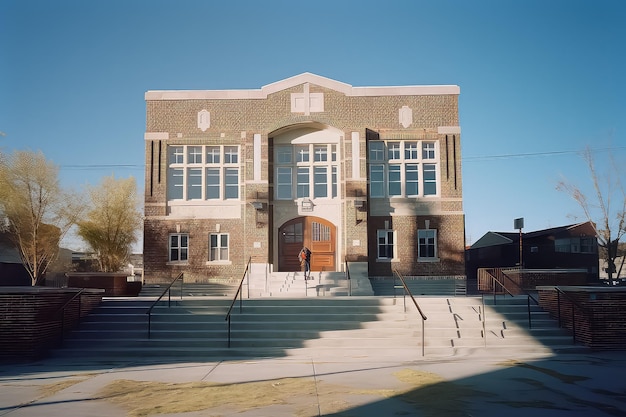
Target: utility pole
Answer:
pixel 519 224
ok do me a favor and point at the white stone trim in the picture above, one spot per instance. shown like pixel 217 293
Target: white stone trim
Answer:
pixel 307 77
pixel 156 135
pixel 449 130
pixel 257 156
pixel 356 156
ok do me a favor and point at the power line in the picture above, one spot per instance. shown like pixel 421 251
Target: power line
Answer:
pixel 85 167
pixel 533 154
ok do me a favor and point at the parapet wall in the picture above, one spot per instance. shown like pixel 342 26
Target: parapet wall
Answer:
pixel 34 318
pixel 596 315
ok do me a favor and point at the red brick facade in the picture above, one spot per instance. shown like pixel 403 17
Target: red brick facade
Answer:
pixel 331 124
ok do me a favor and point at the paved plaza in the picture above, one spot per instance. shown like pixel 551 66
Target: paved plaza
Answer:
pixel 476 384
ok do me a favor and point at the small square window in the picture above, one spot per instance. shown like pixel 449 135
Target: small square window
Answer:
pixel 428 150
pixel 302 153
pixel 393 150
pixel 231 155
pixel 427 244
pixel 179 247
pixel 410 150
pixel 212 154
pixel 377 151
pixel 218 247
pixel 385 243
pixel 194 154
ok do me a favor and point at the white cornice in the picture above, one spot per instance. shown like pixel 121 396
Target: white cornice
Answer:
pixel 307 77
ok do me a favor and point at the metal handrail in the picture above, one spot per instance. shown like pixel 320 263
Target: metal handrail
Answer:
pixel 238 293
pixel 348 278
pixel 169 299
pixel 520 287
pixel 408 291
pixel 529 297
pixel 62 310
pixel 574 303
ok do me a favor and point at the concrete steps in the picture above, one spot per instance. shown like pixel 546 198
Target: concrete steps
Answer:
pixel 293 285
pixel 357 326
pixel 420 286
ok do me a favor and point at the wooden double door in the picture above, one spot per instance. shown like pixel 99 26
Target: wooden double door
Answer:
pixel 317 234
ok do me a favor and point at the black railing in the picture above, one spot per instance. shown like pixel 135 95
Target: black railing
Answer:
pixel 573 303
pixel 61 310
pixel 240 295
pixel 348 278
pixel 167 290
pixel 408 291
pixel 506 290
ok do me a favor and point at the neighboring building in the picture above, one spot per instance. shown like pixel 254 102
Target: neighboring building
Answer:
pixel 369 175
pixel 14 273
pixel 567 247
pixel 12 270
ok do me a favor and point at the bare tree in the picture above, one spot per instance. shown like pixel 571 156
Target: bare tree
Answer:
pixel 36 211
pixel 606 211
pixel 112 222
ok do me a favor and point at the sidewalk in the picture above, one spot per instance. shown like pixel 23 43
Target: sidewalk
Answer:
pixel 475 385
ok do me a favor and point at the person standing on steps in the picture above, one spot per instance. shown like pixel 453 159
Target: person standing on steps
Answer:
pixel 305 260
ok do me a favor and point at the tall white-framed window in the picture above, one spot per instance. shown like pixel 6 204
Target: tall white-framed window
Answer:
pixel 430 179
pixel 198 172
pixel 176 183
pixel 320 181
pixel 405 168
pixel 426 244
pixel 306 171
pixel 303 183
pixel 411 178
pixel 178 247
pixel 194 183
pixel 377 180
pixel 284 183
pixel 218 247
pixel 385 243
pixel 395 180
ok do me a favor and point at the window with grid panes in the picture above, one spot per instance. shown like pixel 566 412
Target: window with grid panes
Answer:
pixel 178 247
pixel 407 168
pixel 203 172
pixel 305 171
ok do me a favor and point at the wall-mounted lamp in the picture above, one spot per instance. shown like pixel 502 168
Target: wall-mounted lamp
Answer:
pixel 360 205
pixel 258 205
pixel 259 212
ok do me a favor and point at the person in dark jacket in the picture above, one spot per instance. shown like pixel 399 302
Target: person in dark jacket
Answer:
pixel 305 261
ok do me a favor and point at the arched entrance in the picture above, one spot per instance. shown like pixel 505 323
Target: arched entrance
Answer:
pixel 316 234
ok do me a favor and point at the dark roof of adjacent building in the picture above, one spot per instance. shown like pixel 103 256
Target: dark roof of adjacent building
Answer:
pixel 506 238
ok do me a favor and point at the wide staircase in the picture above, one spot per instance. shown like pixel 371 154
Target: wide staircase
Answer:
pixel 194 327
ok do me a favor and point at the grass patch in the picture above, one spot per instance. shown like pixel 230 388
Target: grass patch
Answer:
pixel 427 392
pixel 150 398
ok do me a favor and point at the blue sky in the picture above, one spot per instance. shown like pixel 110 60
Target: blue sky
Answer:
pixel 540 80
